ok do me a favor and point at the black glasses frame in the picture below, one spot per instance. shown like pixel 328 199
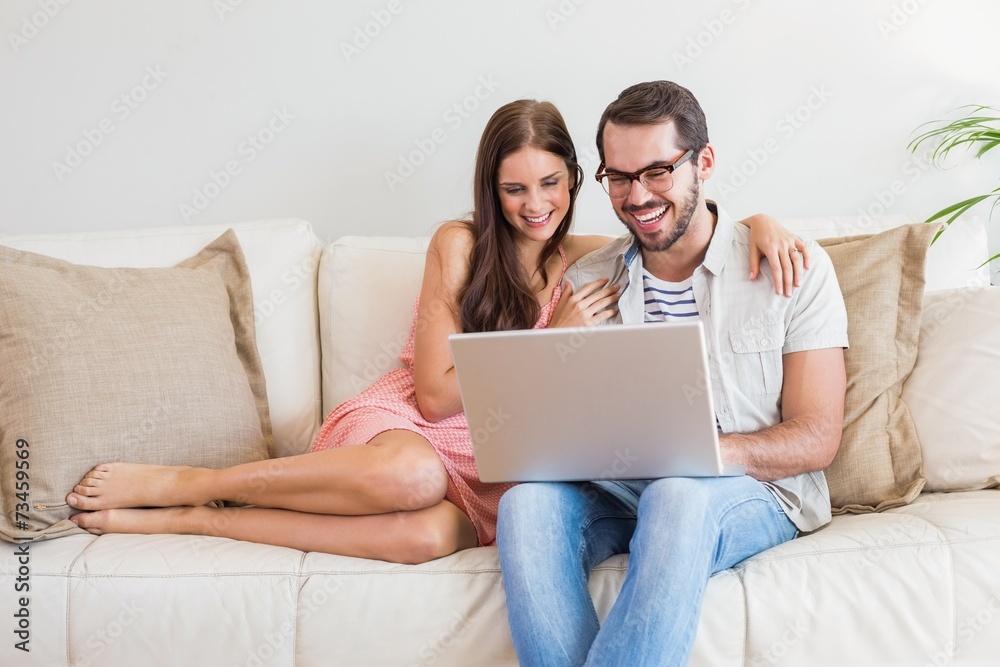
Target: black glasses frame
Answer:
pixel 637 175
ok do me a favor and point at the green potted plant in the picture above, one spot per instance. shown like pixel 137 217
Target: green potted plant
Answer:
pixel 979 129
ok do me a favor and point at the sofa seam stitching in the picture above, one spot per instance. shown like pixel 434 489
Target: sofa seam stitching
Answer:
pixel 746 617
pixel 297 586
pixel 69 578
pixel 948 543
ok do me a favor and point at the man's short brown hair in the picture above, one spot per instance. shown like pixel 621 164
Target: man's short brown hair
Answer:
pixel 658 102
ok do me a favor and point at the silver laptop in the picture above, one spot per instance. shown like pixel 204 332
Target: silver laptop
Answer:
pixel 590 403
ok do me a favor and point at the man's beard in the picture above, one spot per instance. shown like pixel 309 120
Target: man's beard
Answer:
pixel 682 219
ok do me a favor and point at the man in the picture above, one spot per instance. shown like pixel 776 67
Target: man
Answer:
pixel 778 382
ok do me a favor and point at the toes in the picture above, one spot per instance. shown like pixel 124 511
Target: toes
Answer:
pixel 82 489
pixel 97 475
pixel 80 500
pixel 89 483
pixel 90 521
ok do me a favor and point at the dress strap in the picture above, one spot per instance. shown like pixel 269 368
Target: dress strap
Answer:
pixel 562 254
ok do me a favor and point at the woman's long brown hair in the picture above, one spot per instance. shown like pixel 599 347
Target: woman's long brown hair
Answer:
pixel 498 296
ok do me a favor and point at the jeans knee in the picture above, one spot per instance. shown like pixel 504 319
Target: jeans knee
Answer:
pixel 675 489
pixel 528 509
pixel 679 497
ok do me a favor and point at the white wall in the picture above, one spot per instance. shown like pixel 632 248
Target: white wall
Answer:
pixel 872 71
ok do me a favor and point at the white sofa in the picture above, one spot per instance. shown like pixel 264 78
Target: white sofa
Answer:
pixel 918 585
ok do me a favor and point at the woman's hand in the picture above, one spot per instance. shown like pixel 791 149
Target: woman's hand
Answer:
pixel 787 254
pixel 593 304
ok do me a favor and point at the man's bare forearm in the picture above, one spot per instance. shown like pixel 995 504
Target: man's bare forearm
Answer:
pixel 790 448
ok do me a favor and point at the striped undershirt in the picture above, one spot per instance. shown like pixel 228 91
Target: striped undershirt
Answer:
pixel 669 302
pixel 666 301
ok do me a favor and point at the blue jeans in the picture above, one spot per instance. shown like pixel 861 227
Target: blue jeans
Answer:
pixel 679 532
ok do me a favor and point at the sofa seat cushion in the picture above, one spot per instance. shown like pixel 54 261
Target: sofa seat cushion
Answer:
pixel 902 587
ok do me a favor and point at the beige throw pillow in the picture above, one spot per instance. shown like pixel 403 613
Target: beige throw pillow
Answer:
pixel 882 279
pixel 954 389
pixel 142 365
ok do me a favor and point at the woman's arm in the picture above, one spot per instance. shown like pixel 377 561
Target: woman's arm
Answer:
pixel 787 254
pixel 445 273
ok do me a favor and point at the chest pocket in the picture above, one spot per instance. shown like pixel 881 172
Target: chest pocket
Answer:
pixel 757 358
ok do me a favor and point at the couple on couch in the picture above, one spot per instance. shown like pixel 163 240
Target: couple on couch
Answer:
pixel 392 476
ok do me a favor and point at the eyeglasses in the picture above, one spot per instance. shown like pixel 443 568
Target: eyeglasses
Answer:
pixel 657 179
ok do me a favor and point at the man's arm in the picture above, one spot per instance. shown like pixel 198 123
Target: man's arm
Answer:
pixel 812 413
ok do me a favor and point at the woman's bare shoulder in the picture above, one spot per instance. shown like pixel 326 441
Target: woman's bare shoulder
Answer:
pixel 453 233
pixel 452 239
pixel 576 246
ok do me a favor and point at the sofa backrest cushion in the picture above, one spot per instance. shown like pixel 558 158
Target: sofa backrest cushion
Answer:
pixel 283 259
pixel 367 287
pixel 954 390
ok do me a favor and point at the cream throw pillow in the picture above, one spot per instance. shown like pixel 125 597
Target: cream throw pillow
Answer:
pixel 881 276
pixel 142 365
pixel 954 389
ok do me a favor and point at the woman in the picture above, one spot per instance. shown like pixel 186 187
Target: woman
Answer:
pixel 410 492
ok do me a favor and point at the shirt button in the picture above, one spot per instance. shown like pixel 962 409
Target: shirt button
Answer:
pixel 763 342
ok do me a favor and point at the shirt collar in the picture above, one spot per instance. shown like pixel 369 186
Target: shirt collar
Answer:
pixel 722 240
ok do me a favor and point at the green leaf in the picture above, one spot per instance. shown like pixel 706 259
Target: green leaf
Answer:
pixel 994 257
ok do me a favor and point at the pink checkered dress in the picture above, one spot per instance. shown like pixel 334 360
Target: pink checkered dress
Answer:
pixel 391 403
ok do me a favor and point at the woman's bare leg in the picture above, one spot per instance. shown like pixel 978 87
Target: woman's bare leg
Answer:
pixel 401 537
pixel 396 471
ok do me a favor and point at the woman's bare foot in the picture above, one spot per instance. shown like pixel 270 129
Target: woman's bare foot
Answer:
pixel 171 521
pixel 120 485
